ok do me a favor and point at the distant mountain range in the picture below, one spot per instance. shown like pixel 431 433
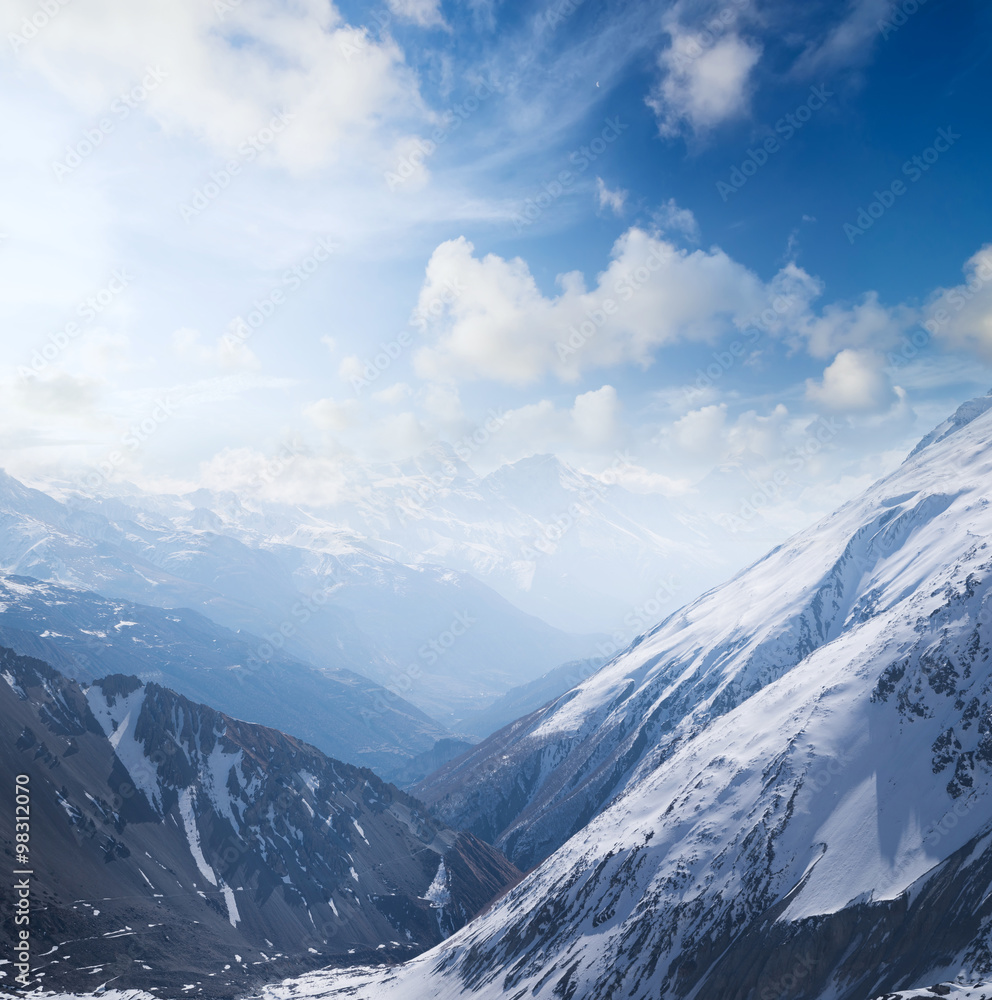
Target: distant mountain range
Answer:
pixel 172 847
pixel 300 587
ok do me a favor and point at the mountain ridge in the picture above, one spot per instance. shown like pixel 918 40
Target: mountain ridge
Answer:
pixel 209 849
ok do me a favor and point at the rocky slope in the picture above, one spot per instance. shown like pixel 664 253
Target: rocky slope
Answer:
pixel 783 790
pixel 176 847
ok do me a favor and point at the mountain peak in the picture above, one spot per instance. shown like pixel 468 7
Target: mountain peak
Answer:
pixel 961 417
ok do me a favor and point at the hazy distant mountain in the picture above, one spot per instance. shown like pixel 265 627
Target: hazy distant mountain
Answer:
pixel 583 553
pixel 172 845
pixel 782 790
pixel 522 700
pixel 87 636
pixel 435 637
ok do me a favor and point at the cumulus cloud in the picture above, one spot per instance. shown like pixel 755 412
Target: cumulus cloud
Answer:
pixel 853 381
pixel 701 431
pixel 613 200
pixel 488 319
pixel 706 77
pixel 707 435
pixel 960 318
pixel 590 426
pixel 224 71
pixel 866 324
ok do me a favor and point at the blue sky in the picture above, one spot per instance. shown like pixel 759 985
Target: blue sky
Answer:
pixel 262 199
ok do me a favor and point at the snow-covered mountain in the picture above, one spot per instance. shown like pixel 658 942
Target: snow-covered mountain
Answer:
pixel 434 636
pixel 170 845
pixel 341 712
pixel 782 790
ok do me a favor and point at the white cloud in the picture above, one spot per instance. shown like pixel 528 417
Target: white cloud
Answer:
pixel 406 167
pixel 495 323
pixel 614 200
pixel 595 416
pixel 960 318
pixel 58 394
pixel 330 415
pixel 590 427
pixel 394 394
pixel 705 78
pixel 670 218
pixel 854 381
pixel 701 431
pixel 225 75
pixel 227 352
pixel 425 13
pixel 849 42
pixel 867 324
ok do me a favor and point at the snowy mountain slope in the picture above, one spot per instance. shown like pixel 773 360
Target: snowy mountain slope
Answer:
pixel 952 991
pixel 535 784
pixel 439 638
pixel 87 636
pixel 171 843
pixel 783 790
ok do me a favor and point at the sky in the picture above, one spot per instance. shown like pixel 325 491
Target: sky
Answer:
pixel 659 240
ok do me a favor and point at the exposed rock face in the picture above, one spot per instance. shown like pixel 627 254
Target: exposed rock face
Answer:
pixel 168 838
